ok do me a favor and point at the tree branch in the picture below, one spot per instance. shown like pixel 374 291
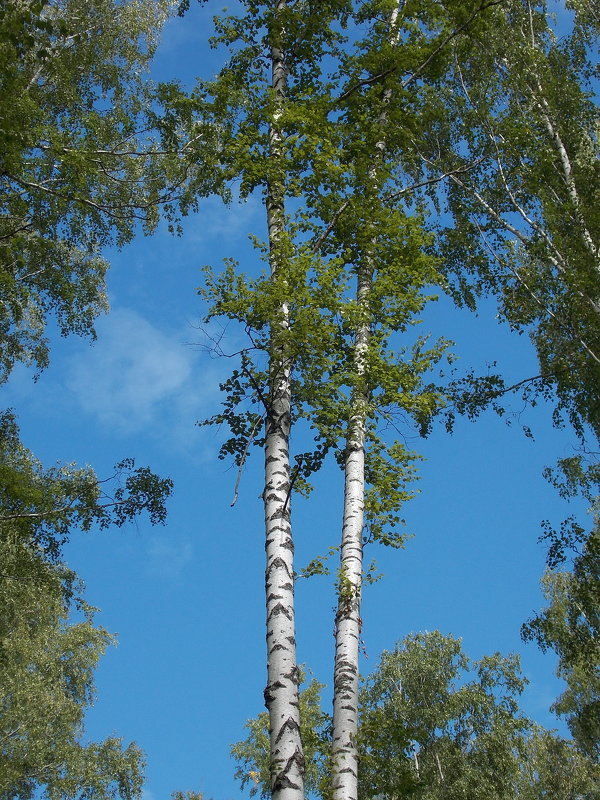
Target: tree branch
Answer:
pixel 110 211
pixel 483 7
pixel 319 242
pixel 62 510
pixel 244 456
pixel 416 72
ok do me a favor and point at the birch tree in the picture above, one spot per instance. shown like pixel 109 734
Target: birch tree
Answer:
pixel 420 44
pixel 364 133
pixel 526 229
pixel 276 50
pixel 525 218
pixel 48 660
pixel 46 686
pixel 437 725
pixel 348 622
pixel 89 154
pixel 302 109
pixel 281 692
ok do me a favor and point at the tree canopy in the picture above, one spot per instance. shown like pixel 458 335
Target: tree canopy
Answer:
pixel 46 684
pixel 436 725
pixel 47 655
pixel 87 159
pixel 401 150
pixel 84 163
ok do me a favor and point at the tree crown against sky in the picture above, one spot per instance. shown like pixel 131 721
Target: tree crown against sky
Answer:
pixel 47 685
pixel 460 113
pixel 524 214
pixel 331 127
pixel 83 162
pixel 87 159
pixel 435 724
pixel 321 350
pixel 49 644
pixel 465 115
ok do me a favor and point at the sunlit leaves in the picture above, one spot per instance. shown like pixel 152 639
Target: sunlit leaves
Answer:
pixel 44 505
pixel 87 156
pixel 435 725
pixel 570 625
pixel 46 685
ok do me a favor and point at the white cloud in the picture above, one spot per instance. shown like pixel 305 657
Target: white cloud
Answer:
pixel 131 371
pixel 226 225
pixel 140 381
pixel 167 558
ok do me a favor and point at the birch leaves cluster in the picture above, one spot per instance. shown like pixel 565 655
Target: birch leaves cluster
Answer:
pixel 524 216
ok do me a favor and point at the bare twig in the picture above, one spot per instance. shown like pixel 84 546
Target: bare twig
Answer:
pixel 437 179
pixel 110 211
pixel 366 82
pixel 318 244
pixel 244 456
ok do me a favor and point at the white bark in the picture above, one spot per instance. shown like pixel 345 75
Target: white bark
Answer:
pixel 567 171
pixel 344 779
pixel 281 692
pixel 347 621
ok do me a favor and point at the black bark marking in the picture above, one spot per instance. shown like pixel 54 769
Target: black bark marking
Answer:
pixel 289 725
pixel 280 609
pixel 279 563
pixel 293 675
pixel 269 692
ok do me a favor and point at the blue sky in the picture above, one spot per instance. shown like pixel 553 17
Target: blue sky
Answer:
pixel 189 668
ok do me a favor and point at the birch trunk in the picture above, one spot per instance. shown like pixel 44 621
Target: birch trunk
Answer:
pixel 281 692
pixel 344 779
pixel 347 620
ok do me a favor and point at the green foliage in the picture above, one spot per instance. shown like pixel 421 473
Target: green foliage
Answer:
pixel 435 725
pixel 523 130
pixel 252 754
pixel 47 658
pixel 46 684
pixel 42 506
pixel 570 625
pixel 87 156
pixel 555 768
pixel 342 215
pixel 86 159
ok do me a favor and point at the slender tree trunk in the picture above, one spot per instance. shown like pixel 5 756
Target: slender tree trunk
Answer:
pixel 347 620
pixel 281 692
pixel 344 779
